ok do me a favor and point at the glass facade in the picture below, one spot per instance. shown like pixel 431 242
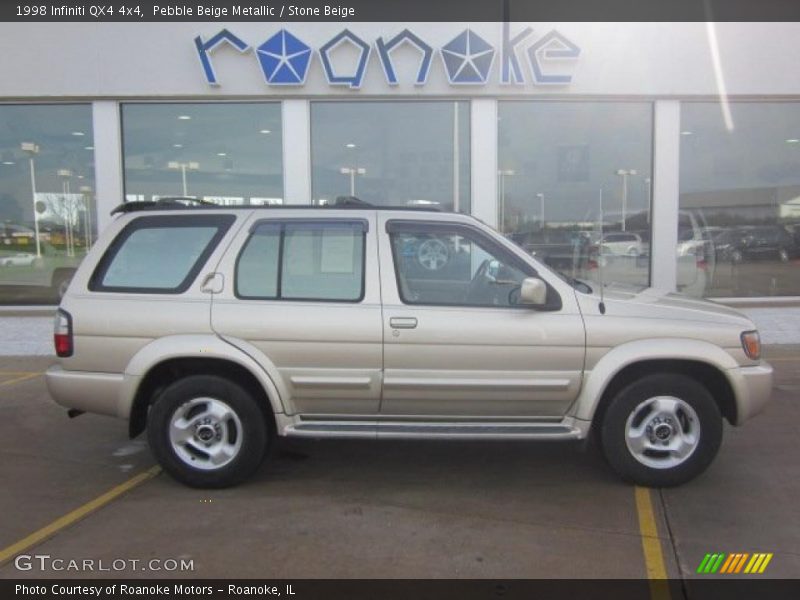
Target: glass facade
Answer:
pixel 574 180
pixel 574 185
pixel 223 152
pixel 392 153
pixel 47 206
pixel 740 181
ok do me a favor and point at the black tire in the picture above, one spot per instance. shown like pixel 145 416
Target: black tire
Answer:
pixel 613 438
pixel 253 443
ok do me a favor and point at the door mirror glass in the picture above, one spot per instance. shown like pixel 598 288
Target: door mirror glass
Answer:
pixel 533 292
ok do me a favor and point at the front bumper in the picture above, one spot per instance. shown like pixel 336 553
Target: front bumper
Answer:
pixel 752 387
pixel 89 392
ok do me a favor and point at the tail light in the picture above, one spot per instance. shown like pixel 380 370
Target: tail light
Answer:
pixel 62 333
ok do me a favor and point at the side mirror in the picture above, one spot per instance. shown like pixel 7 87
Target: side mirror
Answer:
pixel 533 292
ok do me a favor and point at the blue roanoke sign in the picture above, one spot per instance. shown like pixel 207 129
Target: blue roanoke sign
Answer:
pixel 467 59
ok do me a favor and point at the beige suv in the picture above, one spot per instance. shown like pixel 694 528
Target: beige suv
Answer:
pixel 218 329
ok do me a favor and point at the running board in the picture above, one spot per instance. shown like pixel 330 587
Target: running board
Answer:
pixel 437 430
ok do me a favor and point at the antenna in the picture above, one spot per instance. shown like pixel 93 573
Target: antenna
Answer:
pixel 600 259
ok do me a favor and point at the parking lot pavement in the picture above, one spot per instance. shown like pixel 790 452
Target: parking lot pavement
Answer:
pixel 393 509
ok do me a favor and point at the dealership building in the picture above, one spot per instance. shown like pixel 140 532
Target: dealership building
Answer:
pixel 643 153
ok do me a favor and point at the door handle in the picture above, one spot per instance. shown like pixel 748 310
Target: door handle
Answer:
pixel 403 322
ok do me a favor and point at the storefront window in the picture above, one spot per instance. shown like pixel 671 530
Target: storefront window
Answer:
pixel 47 210
pixel 740 179
pixel 574 186
pixel 392 153
pixel 227 153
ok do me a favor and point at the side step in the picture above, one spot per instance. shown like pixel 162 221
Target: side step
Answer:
pixel 435 430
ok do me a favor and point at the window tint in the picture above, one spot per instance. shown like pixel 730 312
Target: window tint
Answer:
pixel 257 270
pixel 322 262
pixel 159 254
pixel 318 261
pixel 440 265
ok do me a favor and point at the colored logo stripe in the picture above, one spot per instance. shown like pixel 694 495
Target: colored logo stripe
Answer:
pixel 720 562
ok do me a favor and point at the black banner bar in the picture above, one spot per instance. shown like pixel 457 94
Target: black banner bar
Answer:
pixel 399 10
pixel 730 588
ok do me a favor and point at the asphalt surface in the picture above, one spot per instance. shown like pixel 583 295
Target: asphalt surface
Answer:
pixel 347 509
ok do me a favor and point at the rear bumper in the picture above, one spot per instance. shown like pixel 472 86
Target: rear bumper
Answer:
pixel 89 392
pixel 752 387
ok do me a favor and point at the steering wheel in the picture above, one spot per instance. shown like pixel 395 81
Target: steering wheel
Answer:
pixel 433 254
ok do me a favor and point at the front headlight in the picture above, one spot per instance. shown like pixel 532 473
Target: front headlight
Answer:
pixel 751 343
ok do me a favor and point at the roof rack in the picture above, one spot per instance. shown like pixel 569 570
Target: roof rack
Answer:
pixel 180 203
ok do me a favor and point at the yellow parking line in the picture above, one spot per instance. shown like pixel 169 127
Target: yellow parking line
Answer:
pixel 20 378
pixel 651 546
pixel 18 372
pixel 76 515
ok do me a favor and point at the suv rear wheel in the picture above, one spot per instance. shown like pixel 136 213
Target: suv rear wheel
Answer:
pixel 661 430
pixel 207 431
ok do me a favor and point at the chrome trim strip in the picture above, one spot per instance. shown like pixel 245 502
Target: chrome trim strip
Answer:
pixel 339 383
pixel 457 384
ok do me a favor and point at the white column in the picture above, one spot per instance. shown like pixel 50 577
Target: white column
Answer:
pixel 108 191
pixel 483 151
pixel 666 166
pixel 296 152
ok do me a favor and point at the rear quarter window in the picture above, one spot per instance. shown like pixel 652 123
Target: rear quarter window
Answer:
pixel 159 254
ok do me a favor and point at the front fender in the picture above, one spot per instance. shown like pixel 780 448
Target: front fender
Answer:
pixel 624 355
pixel 189 346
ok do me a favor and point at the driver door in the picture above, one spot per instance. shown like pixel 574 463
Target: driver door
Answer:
pixel 456 342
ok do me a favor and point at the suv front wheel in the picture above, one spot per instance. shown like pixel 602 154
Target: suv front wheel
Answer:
pixel 207 431
pixel 661 430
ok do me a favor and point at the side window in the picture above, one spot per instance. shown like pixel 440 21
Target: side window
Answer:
pixel 303 261
pixel 257 269
pixel 446 265
pixel 159 254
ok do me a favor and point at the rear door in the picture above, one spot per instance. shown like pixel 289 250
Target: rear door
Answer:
pixel 302 295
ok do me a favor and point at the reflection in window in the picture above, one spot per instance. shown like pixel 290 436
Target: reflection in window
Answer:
pixel 439 266
pixel 47 212
pixel 740 198
pixel 574 185
pixel 303 261
pixel 226 153
pixel 392 153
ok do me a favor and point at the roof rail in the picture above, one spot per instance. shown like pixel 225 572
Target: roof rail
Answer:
pixel 179 203
pixel 164 203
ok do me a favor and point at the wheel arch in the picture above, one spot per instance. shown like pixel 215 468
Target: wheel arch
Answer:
pixel 702 361
pixel 166 360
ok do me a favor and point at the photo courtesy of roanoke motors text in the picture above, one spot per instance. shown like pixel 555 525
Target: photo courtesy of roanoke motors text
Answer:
pixel 400 300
